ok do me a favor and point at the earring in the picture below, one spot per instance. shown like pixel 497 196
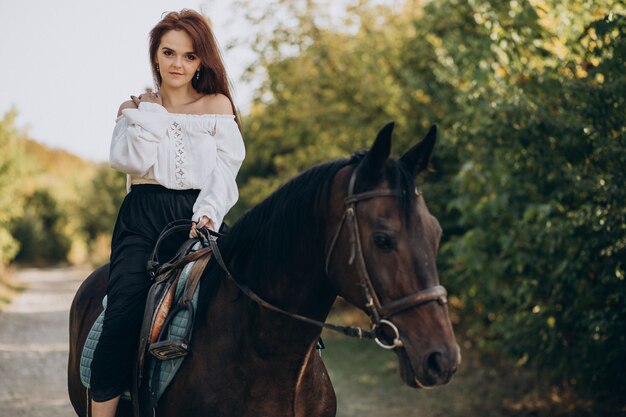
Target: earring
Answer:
pixel 157 67
pixel 198 74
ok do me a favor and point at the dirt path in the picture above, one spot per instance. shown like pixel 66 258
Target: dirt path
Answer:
pixel 33 344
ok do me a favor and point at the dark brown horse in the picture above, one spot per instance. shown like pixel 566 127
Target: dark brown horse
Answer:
pixel 357 228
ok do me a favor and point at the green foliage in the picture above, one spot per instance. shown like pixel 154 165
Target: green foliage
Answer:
pixel 40 230
pixel 529 174
pixel 8 245
pixel 56 170
pixel 327 93
pixel 100 202
pixel 11 158
pixel 541 195
pixel 38 188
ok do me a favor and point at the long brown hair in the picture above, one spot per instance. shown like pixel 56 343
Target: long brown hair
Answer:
pixel 213 79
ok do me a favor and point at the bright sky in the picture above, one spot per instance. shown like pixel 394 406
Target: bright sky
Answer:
pixel 68 64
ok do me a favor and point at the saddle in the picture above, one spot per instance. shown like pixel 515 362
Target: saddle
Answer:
pixel 168 317
pixel 170 297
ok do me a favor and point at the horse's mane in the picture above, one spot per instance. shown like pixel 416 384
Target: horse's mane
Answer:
pixel 286 229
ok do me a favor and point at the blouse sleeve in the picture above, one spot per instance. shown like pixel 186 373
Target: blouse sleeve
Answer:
pixel 219 192
pixel 136 136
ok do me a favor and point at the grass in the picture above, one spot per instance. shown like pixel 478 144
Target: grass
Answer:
pixel 367 382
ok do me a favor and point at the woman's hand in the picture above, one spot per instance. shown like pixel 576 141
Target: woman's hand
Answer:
pixel 130 104
pixel 147 97
pixel 204 222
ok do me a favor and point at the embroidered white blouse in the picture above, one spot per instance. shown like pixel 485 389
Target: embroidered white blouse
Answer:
pixel 181 151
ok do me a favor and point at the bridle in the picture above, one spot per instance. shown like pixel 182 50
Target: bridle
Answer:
pixel 379 314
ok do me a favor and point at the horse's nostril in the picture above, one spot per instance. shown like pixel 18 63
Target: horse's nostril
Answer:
pixel 434 364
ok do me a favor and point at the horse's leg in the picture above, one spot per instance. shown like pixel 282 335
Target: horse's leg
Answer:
pixel 315 395
pixel 86 307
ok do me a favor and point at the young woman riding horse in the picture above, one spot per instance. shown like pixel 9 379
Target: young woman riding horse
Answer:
pixel 181 148
pixel 357 228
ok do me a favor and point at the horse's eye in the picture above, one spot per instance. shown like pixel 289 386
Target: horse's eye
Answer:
pixel 384 241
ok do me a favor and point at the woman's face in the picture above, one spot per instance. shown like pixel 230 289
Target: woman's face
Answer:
pixel 177 60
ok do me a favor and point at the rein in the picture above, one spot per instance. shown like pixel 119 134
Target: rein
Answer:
pixel 347 330
pixel 379 314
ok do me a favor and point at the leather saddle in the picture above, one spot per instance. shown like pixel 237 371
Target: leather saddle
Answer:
pixel 162 308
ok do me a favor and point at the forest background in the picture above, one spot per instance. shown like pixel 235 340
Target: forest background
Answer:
pixel 528 179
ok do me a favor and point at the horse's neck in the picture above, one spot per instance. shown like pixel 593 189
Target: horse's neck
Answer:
pixel 303 293
pixel 298 285
pixel 264 333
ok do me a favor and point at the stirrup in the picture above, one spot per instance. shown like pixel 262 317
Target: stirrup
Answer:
pixel 169 349
pixel 175 348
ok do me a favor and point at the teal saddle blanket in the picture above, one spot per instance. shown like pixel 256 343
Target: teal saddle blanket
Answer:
pixel 177 327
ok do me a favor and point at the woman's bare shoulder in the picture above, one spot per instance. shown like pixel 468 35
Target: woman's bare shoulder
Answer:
pixel 215 104
pixel 126 105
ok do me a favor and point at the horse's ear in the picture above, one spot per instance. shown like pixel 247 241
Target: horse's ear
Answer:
pixel 376 157
pixel 417 158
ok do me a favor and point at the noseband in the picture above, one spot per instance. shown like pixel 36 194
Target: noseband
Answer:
pixel 379 313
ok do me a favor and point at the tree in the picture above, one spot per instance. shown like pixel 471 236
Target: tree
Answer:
pixel 11 158
pixel 40 230
pixel 100 202
pixel 540 197
pixel 327 92
pixel 529 174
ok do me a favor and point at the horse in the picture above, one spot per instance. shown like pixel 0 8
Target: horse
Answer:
pixel 356 228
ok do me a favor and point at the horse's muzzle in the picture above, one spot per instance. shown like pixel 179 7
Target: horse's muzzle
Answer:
pixel 436 368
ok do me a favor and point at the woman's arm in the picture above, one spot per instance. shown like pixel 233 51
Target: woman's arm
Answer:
pixel 219 192
pixel 130 104
pixel 138 131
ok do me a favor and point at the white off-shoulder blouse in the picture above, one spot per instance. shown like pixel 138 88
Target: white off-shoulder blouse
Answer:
pixel 181 151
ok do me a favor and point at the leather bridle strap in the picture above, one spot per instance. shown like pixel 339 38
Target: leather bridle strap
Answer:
pixel 349 215
pixel 438 293
pixel 378 313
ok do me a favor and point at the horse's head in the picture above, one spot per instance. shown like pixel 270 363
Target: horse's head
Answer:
pixel 382 247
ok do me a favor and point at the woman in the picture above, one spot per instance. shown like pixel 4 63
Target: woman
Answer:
pixel 181 148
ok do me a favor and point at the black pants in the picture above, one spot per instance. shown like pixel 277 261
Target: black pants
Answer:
pixel 144 213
